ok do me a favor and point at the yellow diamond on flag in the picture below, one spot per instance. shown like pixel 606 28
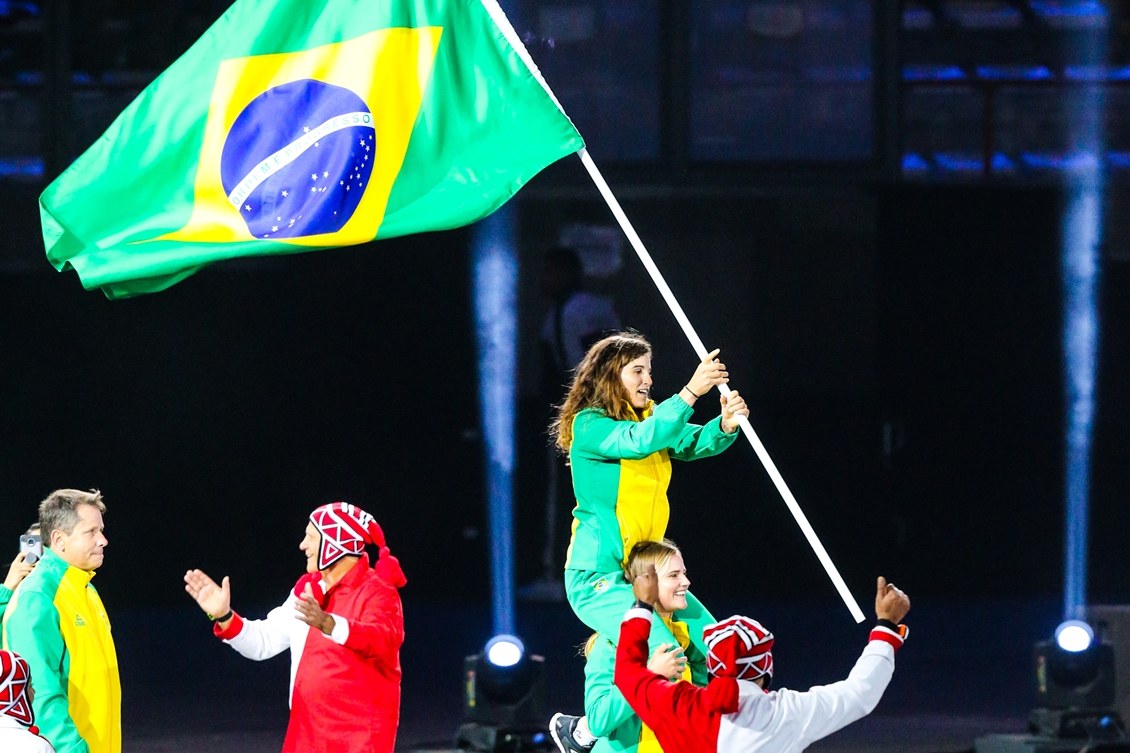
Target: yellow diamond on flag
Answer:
pixel 304 147
pixel 295 125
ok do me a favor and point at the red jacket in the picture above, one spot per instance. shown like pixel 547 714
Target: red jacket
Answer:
pixel 345 688
pixel 684 717
pixel 731 716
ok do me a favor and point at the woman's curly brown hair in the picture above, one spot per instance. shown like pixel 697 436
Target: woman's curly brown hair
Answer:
pixel 596 384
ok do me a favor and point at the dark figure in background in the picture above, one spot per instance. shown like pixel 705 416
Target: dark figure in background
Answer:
pixel 575 319
pixel 19 570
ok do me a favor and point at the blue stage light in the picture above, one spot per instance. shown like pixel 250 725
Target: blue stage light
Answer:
pixel 1085 189
pixel 504 699
pixel 504 650
pixel 932 73
pixel 1075 684
pixel 1074 636
pixel 1014 72
pixel 496 329
pixel 914 163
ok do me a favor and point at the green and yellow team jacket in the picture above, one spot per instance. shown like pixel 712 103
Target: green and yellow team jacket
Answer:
pixel 57 622
pixel 609 716
pixel 621 471
pixel 5 597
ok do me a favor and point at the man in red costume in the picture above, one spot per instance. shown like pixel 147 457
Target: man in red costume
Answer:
pixel 18 733
pixel 343 624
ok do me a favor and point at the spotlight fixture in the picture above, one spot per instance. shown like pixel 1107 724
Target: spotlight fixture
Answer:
pixel 1074 678
pixel 1074 675
pixel 1074 636
pixel 504 702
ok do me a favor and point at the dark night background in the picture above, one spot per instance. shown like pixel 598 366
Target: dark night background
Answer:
pixel 898 339
pixel 216 414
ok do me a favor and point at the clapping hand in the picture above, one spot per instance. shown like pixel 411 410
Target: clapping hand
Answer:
pixel 310 611
pixel 214 599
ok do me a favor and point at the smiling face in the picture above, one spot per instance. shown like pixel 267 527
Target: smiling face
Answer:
pixel 636 378
pixel 83 546
pixel 673 584
pixel 309 545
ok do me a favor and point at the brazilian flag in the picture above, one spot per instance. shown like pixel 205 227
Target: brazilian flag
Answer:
pixel 295 125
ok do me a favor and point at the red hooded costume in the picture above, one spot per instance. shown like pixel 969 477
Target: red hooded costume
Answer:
pixel 345 687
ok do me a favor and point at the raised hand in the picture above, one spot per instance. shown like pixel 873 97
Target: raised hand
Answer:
pixel 709 373
pixel 214 599
pixel 890 603
pixel 18 571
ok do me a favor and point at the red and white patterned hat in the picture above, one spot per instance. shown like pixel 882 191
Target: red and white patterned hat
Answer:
pixel 345 530
pixel 738 647
pixel 15 681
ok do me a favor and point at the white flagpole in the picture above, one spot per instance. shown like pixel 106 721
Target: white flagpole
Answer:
pixel 511 36
pixel 700 349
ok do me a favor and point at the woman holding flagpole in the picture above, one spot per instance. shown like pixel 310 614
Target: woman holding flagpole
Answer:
pixel 620 445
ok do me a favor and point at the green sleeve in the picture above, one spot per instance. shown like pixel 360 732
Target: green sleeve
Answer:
pixel 609 716
pixel 32 631
pixel 697 442
pixel 605 706
pixel 697 617
pixel 697 663
pixel 5 597
pixel 597 435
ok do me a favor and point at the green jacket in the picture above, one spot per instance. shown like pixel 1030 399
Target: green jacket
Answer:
pixel 609 716
pixel 57 622
pixel 5 597
pixel 620 503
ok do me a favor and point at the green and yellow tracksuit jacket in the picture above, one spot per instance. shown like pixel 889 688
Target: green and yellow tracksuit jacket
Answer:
pixel 57 622
pixel 621 471
pixel 5 597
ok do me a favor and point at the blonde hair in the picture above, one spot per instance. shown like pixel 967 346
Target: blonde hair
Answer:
pixel 585 649
pixel 648 553
pixel 596 383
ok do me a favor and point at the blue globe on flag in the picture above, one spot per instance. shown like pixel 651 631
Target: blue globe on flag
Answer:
pixel 298 159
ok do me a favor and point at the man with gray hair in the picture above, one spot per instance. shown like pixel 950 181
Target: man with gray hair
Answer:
pixel 56 621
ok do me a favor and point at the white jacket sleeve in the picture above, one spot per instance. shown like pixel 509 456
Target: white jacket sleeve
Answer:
pixel 788 721
pixel 270 636
pixel 824 709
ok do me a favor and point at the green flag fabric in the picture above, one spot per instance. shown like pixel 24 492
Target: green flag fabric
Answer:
pixel 295 125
